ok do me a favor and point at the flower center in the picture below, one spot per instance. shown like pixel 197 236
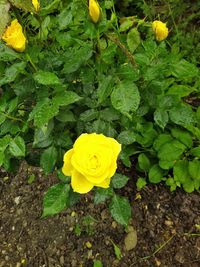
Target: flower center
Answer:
pixel 93 163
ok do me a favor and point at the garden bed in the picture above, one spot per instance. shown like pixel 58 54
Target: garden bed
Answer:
pixel 167 226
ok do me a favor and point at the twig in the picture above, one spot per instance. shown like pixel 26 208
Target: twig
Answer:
pixel 123 48
pixel 156 251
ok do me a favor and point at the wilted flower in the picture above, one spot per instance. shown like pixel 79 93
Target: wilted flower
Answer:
pixel 91 162
pixel 14 37
pixel 160 29
pixel 36 4
pixel 94 10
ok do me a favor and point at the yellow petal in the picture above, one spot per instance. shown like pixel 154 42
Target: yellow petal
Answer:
pixel 79 183
pixel 105 183
pixel 36 4
pixel 14 37
pixel 94 10
pixel 67 167
pixel 160 29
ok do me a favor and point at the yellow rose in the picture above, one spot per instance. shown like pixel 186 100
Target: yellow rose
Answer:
pixel 94 10
pixel 14 37
pixel 36 4
pixel 160 29
pixel 91 162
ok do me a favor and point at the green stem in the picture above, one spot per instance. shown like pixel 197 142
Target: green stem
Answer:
pixel 157 250
pixel 11 117
pixel 171 14
pixel 31 62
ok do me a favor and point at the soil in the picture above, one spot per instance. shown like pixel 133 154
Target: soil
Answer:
pixel 167 226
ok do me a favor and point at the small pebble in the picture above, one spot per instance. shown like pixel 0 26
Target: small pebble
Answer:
pixel 62 260
pixel 17 200
pixel 114 224
pixel 130 240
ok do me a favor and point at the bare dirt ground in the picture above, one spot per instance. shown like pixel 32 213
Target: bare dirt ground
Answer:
pixel 167 226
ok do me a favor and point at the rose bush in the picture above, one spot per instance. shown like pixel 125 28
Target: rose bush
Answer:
pixel 14 37
pixel 91 162
pixel 160 29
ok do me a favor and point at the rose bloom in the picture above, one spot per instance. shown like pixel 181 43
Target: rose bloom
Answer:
pixel 160 29
pixel 91 162
pixel 14 37
pixel 94 10
pixel 36 4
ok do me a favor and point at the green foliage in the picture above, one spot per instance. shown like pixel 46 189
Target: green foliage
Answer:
pixel 119 180
pixel 111 78
pixel 55 200
pixel 120 210
pixel 97 263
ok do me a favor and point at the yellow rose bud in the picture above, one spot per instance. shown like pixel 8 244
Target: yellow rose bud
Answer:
pixel 91 162
pixel 14 37
pixel 94 10
pixel 160 29
pixel 36 4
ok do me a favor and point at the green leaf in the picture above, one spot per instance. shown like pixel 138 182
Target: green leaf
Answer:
pixel 2 157
pixel 31 178
pixel 195 151
pixel 97 263
pixel 25 5
pixel 141 182
pixel 194 169
pixel 120 210
pixel 64 18
pixel 184 70
pixel 12 72
pixel 43 112
pixel 66 98
pixel 105 88
pixel 161 140
pixel 77 57
pixel 6 53
pixel 102 194
pixel 155 174
pixel 161 118
pixel 166 164
pixel 55 199
pixel 17 147
pixel 62 177
pixel 171 151
pixel 144 162
pixel 127 72
pixel 180 171
pixel 4 16
pixel 125 97
pixel 125 25
pixel 126 137
pixel 183 136
pixel 46 78
pixel 183 115
pixel 52 6
pixel 89 115
pixel 180 90
pixel 170 182
pixel 133 39
pixel 119 180
pixel 117 250
pixel 48 159
pixel 4 142
pixel 109 114
pixel 42 136
pixel 188 185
